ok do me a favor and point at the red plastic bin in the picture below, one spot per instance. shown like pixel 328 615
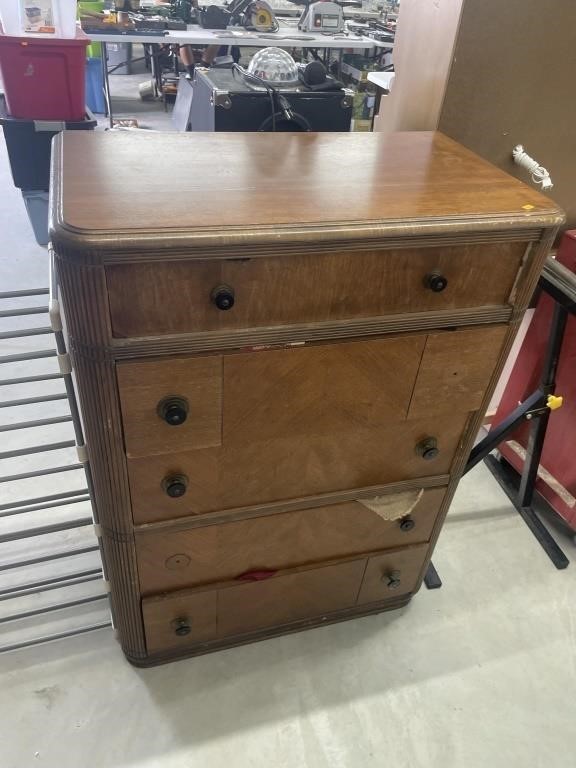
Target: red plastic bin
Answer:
pixel 44 77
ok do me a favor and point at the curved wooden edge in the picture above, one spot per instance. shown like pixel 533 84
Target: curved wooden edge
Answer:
pixel 271 632
pixel 288 239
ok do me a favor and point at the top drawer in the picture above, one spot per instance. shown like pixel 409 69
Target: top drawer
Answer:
pixel 174 297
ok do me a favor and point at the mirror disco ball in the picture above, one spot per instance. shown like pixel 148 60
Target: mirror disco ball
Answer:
pixel 275 66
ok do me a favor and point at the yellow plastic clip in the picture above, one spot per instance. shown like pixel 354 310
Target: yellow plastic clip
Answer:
pixel 554 402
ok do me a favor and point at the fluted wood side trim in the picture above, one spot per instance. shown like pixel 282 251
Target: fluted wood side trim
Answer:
pixel 531 272
pixel 118 536
pixel 125 594
pixel 85 307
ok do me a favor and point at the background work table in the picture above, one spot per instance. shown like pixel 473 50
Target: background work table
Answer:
pixel 287 35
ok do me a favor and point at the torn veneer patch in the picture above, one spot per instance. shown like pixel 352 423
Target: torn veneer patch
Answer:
pixel 395 505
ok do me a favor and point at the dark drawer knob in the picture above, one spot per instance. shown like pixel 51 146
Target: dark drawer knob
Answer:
pixel 181 627
pixel 428 448
pixel 173 410
pixel 175 485
pixel 407 524
pixel 223 297
pixel 392 579
pixel 435 281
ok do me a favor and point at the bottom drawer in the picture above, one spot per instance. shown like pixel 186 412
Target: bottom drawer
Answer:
pixel 186 618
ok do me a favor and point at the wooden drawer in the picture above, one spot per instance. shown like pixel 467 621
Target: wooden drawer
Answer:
pixel 232 609
pixel 313 390
pixel 175 297
pixel 179 620
pixel 298 595
pixel 272 470
pixel 186 557
pixel 172 404
pixel 189 617
pixel 392 573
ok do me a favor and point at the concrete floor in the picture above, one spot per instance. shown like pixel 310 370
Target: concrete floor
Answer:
pixel 480 673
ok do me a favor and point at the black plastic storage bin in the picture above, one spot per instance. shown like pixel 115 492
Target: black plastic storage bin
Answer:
pixel 36 203
pixel 29 146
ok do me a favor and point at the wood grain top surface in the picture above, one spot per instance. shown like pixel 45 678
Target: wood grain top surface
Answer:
pixel 138 183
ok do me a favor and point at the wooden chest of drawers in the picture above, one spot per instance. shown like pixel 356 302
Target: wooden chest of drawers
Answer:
pixel 284 346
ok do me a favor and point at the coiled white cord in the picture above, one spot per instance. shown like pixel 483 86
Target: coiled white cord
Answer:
pixel 539 174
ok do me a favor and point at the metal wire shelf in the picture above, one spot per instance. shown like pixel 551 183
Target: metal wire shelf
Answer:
pixel 45 504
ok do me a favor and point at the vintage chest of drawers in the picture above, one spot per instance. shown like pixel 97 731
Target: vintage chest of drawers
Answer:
pixel 284 346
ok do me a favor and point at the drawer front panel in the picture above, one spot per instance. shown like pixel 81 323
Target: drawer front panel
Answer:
pixel 391 574
pixel 300 595
pixel 319 389
pixel 455 370
pixel 328 389
pixel 186 618
pixel 183 620
pixel 177 297
pixel 181 404
pixel 266 471
pixel 245 607
pixel 184 558
pixel 172 403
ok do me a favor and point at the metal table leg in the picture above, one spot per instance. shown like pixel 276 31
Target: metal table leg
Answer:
pixel 156 68
pixel 106 81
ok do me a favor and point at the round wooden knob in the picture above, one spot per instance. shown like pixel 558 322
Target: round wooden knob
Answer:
pixel 407 524
pixel 175 486
pixel 428 448
pixel 436 282
pixel 392 579
pixel 173 410
pixel 181 627
pixel 223 297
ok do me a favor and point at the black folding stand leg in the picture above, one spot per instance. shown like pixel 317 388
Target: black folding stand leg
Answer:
pixel 431 579
pixel 543 537
pixel 536 444
pixel 534 409
pixel 539 425
pixel 538 529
